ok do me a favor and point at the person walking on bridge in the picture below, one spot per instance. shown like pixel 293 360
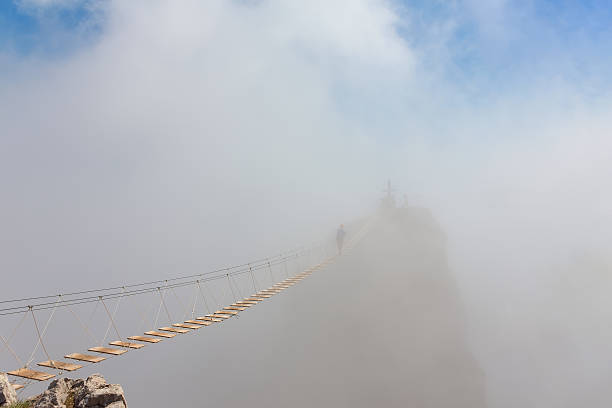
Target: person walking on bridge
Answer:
pixel 340 238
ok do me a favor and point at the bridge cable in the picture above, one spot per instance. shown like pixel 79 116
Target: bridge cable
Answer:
pixel 91 299
pixel 165 307
pixel 231 288
pixel 237 287
pixel 111 319
pixel 203 297
pixel 40 340
pixel 83 325
pixel 7 341
pixel 183 277
pixel 43 332
pixel 112 322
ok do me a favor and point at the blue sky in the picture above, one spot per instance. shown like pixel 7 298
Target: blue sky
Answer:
pixel 51 31
pixel 489 42
pixel 521 40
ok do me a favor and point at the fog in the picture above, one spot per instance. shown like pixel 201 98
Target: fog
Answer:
pixel 177 137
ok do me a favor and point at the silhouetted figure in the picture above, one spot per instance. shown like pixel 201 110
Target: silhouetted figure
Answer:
pixel 340 237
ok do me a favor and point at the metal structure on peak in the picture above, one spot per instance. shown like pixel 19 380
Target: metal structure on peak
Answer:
pixel 388 200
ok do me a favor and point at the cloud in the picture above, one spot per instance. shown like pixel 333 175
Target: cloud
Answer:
pixel 211 113
pixel 32 4
pixel 191 134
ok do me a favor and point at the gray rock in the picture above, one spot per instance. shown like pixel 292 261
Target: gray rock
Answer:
pixel 7 392
pixel 56 394
pixel 94 392
pixel 98 393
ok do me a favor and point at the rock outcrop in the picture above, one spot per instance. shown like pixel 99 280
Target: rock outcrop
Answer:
pixel 387 325
pixel 94 392
pixel 7 392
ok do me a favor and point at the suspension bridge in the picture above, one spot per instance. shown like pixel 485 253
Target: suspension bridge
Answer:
pixel 97 325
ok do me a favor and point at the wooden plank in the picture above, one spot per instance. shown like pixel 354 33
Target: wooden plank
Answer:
pixel 145 339
pixel 237 308
pixel 261 296
pixel 254 299
pixel 126 344
pixel 108 350
pixel 246 302
pixel 209 319
pixel 231 312
pixel 226 315
pixel 187 326
pixel 85 357
pixel 160 334
pixel 220 316
pixel 200 322
pixel 17 387
pixel 243 306
pixel 60 365
pixel 31 374
pixel 174 329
